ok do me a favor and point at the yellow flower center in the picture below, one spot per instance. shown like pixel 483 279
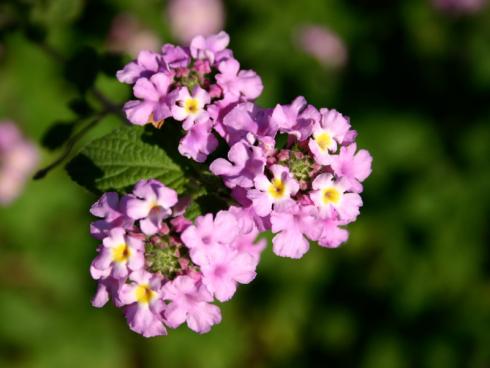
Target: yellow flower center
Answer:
pixel 121 253
pixel 324 141
pixel 277 188
pixel 144 294
pixel 330 195
pixel 191 105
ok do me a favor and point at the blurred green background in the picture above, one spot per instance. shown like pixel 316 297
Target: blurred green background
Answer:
pixel 411 287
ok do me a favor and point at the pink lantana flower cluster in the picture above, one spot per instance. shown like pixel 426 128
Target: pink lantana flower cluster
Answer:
pixel 305 188
pixel 164 270
pixel 195 85
pixel 293 170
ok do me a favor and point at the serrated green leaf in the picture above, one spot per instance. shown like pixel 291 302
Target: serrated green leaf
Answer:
pixel 118 160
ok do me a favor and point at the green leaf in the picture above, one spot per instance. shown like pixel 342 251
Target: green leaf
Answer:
pixel 123 157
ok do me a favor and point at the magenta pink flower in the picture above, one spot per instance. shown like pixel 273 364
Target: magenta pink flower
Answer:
pixel 246 241
pixel 155 102
pixel 111 210
pixel 245 163
pixel 332 199
pixel 293 224
pixel 296 119
pixel 208 235
pixel 190 302
pixel 151 204
pixel 268 192
pixel 119 254
pixel 224 269
pixel 353 167
pixel 198 142
pixel 246 118
pixel 144 304
pixel 107 287
pixel 332 235
pixel 191 108
pixel 236 83
pixel 175 57
pixel 146 64
pixel 327 134
pixel 211 48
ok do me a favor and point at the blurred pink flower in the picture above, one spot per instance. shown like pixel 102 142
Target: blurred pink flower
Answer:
pixel 189 18
pixel 18 158
pixel 128 35
pixel 460 6
pixel 322 44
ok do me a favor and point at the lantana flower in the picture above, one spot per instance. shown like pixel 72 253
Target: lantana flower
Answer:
pixel 173 273
pixel 142 296
pixel 119 254
pixel 327 134
pixel 267 192
pixel 189 108
pixel 154 104
pixel 331 198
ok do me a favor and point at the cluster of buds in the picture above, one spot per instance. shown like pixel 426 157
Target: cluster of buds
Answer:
pixel 164 270
pixel 194 85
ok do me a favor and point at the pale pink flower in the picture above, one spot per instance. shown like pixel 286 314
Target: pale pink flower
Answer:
pixel 322 44
pixel 332 199
pixel 18 159
pixel 144 304
pixel 189 18
pixel 190 302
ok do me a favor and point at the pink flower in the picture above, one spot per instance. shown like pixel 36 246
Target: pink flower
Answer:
pixel 211 48
pixel 296 119
pixel 198 142
pixel 175 57
pixel 460 6
pixel 208 235
pixel 246 241
pixel 322 44
pixel 107 287
pixel 353 167
pixel 292 223
pixel 190 302
pixel 245 163
pixel 268 192
pixel 154 104
pixel 189 18
pixel 246 118
pixel 128 35
pixel 151 204
pixel 146 64
pixel 331 198
pixel 119 254
pixel 190 108
pixel 225 269
pixel 332 235
pixel 327 134
pixel 111 210
pixel 237 83
pixel 18 158
pixel 143 297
